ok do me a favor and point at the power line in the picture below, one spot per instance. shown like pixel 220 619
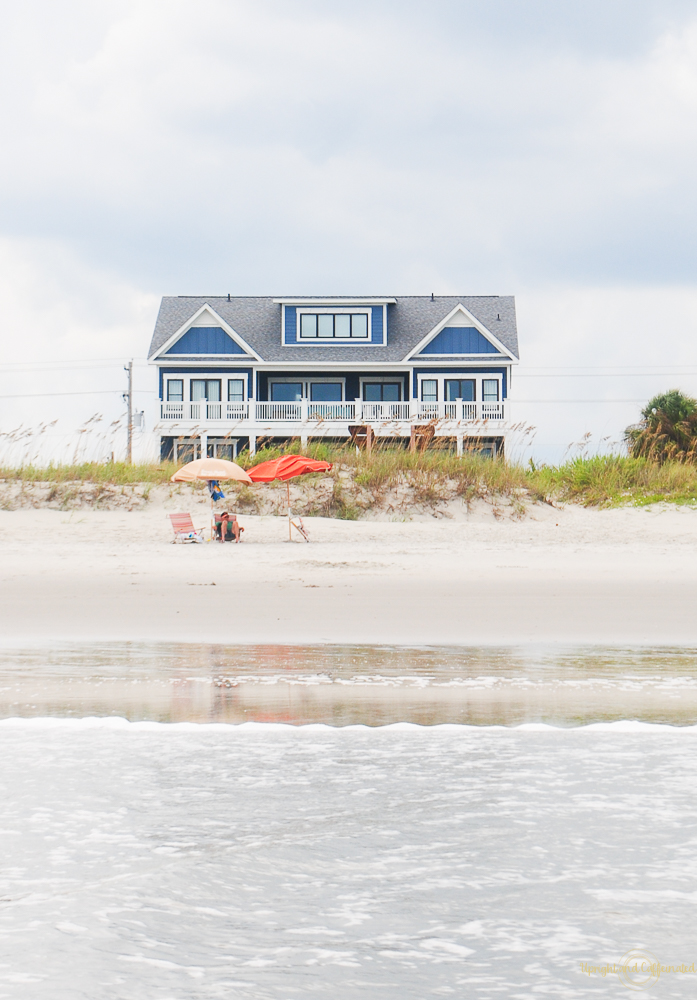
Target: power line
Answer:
pixel 88 392
pixel 65 368
pixel 651 374
pixel 86 364
pixel 516 401
pixel 603 367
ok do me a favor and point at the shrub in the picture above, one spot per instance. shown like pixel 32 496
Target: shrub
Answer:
pixel 667 430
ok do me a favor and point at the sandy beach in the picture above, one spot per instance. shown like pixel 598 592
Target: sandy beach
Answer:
pixel 556 575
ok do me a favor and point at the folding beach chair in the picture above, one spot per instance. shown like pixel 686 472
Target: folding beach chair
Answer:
pixel 297 523
pixel 184 530
pixel 217 528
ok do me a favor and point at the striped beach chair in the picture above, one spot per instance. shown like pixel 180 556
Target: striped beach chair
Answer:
pixel 184 530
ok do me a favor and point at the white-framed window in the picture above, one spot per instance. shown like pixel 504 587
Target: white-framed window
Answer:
pixel 204 388
pixel 321 325
pixel 317 390
pixel 174 390
pixel 382 389
pixel 460 388
pixel 491 390
pixel 451 386
pixel 236 390
pixel 428 390
pixel 209 386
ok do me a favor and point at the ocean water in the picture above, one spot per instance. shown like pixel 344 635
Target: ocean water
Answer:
pixel 167 861
pixel 344 685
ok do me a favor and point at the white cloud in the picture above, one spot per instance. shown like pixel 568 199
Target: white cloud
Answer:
pixel 643 337
pixel 163 147
pixel 56 308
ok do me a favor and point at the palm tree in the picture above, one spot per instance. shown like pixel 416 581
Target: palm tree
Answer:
pixel 667 430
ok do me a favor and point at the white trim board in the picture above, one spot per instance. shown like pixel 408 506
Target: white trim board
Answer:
pixel 432 361
pixel 335 302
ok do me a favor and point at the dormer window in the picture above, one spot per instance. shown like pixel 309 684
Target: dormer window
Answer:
pixel 335 325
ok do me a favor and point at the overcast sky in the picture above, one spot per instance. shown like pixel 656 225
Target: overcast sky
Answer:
pixel 528 147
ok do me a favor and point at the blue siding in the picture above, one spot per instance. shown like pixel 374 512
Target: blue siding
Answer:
pixel 291 324
pixel 457 370
pixel 376 325
pixel 205 340
pixel 460 340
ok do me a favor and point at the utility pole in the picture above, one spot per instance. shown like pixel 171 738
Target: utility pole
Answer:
pixel 129 397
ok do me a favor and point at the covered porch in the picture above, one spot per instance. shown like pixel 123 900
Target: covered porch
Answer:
pixel 228 411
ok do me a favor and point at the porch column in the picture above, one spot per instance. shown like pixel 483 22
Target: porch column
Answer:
pixel 304 419
pixel 252 444
pixel 459 439
pixel 204 445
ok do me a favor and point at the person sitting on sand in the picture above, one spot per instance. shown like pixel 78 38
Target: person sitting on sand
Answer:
pixel 235 528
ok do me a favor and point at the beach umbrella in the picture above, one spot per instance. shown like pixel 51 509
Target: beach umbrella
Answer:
pixel 211 469
pixel 286 468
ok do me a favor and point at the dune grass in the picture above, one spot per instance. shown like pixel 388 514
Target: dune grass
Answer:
pixel 599 480
pixel 432 476
pixel 108 473
pixel 616 480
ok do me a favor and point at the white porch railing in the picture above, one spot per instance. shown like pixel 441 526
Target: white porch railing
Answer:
pixel 331 411
pixel 460 410
pixel 237 411
pixel 202 410
pixel 304 411
pixel 371 412
pixel 278 411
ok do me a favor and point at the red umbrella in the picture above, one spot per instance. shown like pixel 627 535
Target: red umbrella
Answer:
pixel 285 468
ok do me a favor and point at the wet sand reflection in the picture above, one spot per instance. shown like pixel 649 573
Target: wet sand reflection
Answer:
pixel 345 685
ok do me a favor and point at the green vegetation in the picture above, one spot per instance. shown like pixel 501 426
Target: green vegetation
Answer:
pixel 108 473
pixel 615 480
pixel 667 431
pixel 395 478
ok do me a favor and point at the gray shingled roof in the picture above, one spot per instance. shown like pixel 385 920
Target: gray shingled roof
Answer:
pixel 258 321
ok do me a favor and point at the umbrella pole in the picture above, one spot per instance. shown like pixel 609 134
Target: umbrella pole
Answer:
pixel 290 533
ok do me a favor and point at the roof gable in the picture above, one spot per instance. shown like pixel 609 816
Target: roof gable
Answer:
pixel 457 330
pixel 459 340
pixel 204 334
pixel 205 340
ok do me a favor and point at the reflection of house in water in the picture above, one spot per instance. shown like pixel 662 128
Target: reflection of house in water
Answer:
pixel 234 370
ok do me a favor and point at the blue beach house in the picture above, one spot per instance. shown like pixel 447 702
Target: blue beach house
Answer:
pixel 235 370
